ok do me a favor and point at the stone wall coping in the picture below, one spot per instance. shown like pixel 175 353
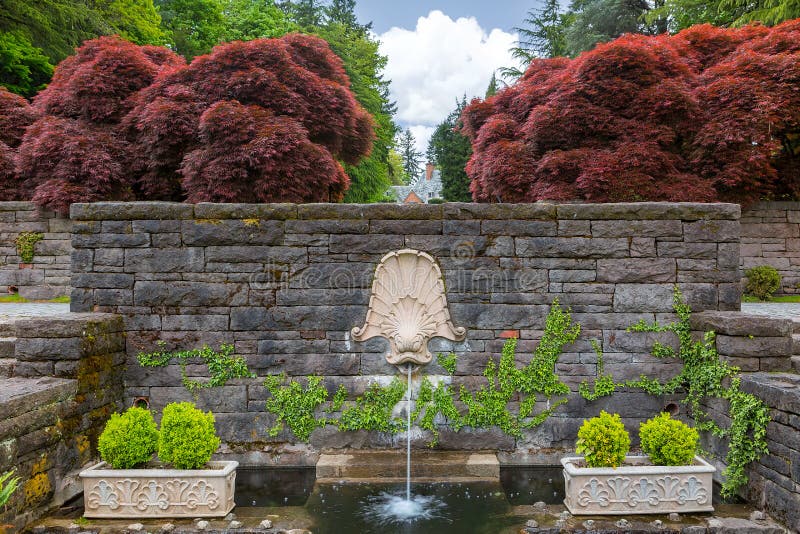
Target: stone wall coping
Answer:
pixel 66 325
pixel 734 323
pixel 774 205
pixel 21 395
pixel 453 210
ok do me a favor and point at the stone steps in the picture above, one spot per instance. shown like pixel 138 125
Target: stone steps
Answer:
pixel 796 346
pixel 7 361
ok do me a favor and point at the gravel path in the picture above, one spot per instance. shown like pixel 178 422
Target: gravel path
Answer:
pixel 784 310
pixel 17 310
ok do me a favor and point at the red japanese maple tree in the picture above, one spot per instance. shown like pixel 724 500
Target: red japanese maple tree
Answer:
pixel 16 114
pixel 257 121
pixel 708 114
pixel 76 151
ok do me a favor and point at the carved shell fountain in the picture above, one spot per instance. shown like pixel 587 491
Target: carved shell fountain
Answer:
pixel 408 306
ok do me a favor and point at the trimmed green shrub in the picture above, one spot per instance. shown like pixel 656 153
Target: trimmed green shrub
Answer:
pixel 129 439
pixel 436 201
pixel 667 441
pixel 187 438
pixel 603 441
pixel 762 281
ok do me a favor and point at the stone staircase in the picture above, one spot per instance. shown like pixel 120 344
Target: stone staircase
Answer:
pixel 7 343
pixel 796 345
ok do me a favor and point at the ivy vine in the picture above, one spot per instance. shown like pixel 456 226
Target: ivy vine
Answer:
pixel 26 243
pixel 704 376
pixel 222 365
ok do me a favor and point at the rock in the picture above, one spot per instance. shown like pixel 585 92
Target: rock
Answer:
pixel 265 524
pixel 167 527
pixel 715 523
pixel 675 517
pixel 230 517
pixel 657 524
pixel 564 515
pixel 561 523
pixel 758 515
pixel 235 524
pixel 588 524
pixel 73 528
pixel 623 523
pixel 540 505
pixel 136 527
pixel 202 525
pixel 532 523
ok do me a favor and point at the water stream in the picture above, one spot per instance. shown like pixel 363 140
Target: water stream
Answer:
pixel 408 439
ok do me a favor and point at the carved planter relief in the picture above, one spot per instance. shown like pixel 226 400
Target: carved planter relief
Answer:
pixel 408 306
pixel 637 487
pixel 147 493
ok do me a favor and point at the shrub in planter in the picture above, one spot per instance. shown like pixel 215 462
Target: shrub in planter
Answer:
pixel 762 281
pixel 603 441
pixel 129 439
pixel 187 438
pixel 667 441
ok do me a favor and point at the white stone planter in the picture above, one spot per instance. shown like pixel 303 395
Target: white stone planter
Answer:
pixel 637 487
pixel 149 493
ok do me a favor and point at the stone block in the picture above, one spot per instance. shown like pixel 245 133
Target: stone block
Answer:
pixel 222 399
pixel 465 210
pixel 645 270
pixel 633 228
pixel 372 243
pixel 519 228
pixel 207 210
pixel 323 226
pixel 461 227
pixel 195 322
pixel 102 280
pixel 678 249
pixel 205 232
pixel 195 293
pixel 741 324
pixel 571 247
pixel 424 227
pixel 569 228
pixel 643 298
pixel 686 211
pixel 714 231
pixel 103 240
pixel 123 211
pixel 261 254
pixel 755 347
pixel 306 364
pixel 165 260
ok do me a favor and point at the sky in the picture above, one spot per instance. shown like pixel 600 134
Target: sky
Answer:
pixel 440 50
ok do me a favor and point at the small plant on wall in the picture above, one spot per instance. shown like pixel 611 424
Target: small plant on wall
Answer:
pixel 762 282
pixel 26 243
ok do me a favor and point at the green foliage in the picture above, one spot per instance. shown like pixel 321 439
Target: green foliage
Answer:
pixel 295 406
pixel 222 365
pixel 603 441
pixel 24 69
pixel 599 21
pixel 187 438
pixel 412 158
pixel 542 35
pixel 667 441
pixel 762 281
pixel 193 26
pixel 25 243
pixel 58 26
pixel 705 377
pixel 373 410
pixel 451 151
pixel 447 361
pixel 684 13
pixel 129 439
pixel 252 19
pixel 604 384
pixel 8 486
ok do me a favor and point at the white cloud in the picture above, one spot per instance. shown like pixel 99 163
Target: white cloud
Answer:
pixel 438 62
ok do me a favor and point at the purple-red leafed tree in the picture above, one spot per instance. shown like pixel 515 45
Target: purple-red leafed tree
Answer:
pixel 76 152
pixel 259 121
pixel 708 114
pixel 16 114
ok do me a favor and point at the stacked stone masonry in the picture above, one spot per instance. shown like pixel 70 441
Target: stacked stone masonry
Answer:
pixel 771 236
pixel 67 380
pixel 286 283
pixel 48 275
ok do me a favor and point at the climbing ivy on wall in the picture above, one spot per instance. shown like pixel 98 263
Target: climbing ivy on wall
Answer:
pixel 704 376
pixel 26 243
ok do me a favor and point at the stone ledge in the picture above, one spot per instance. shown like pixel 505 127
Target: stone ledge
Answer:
pixel 780 391
pixel 687 211
pixel 127 211
pixel 67 325
pixel 735 323
pixel 22 395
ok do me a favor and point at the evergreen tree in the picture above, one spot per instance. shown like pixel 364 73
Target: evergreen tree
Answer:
pixel 599 21
pixel 23 68
pixel 492 89
pixel 543 35
pixel 412 158
pixel 452 151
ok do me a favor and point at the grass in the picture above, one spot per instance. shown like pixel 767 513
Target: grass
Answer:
pixel 14 298
pixel 780 298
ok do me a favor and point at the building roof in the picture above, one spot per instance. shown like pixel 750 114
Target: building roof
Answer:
pixel 422 188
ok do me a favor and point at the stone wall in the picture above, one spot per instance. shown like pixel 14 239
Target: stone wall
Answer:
pixel 66 382
pixel 49 273
pixel 771 236
pixel 286 283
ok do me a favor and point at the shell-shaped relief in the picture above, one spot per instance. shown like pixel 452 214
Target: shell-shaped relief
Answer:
pixel 408 306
